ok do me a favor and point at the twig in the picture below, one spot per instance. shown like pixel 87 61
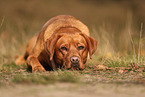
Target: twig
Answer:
pixel 139 48
pixel 2 21
pixel 132 43
pixel 128 27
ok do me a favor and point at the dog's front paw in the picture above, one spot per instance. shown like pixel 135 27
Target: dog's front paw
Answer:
pixel 38 68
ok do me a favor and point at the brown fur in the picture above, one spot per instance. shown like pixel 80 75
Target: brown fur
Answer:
pixel 60 39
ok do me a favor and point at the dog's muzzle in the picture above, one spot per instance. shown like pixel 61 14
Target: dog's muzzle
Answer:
pixel 75 62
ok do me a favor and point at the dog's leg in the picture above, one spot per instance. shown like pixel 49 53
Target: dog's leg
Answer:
pixel 34 64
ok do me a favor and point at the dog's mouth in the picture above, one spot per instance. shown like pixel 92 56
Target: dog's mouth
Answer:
pixel 75 66
pixel 72 67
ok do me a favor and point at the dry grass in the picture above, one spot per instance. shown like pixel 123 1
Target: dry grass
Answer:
pixel 109 22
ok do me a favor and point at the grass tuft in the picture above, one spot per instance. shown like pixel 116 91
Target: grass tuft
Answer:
pixel 45 78
pixel 33 79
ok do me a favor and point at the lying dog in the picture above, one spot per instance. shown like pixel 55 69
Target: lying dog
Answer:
pixel 64 42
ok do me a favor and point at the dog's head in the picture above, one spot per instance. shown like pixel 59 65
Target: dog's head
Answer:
pixel 70 49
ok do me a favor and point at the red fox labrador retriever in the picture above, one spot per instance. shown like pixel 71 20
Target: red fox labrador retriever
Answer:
pixel 64 42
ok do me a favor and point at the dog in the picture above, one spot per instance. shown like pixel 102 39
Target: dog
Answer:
pixel 63 42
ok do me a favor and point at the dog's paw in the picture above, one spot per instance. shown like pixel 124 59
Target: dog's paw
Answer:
pixel 38 68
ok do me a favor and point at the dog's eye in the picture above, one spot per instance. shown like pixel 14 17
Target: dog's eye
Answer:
pixel 81 47
pixel 64 48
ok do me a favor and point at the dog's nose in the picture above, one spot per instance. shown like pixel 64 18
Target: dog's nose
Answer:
pixel 74 60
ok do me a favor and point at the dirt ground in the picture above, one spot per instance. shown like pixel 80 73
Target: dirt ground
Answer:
pixel 91 83
pixel 74 90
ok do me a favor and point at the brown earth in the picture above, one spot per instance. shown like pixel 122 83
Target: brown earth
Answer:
pixel 74 90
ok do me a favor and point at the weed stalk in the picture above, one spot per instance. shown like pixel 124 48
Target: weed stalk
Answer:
pixel 2 21
pixel 139 47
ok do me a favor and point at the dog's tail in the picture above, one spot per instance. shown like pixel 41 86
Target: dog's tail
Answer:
pixel 20 60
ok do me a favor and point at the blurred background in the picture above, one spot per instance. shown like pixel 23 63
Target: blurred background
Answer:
pixel 116 24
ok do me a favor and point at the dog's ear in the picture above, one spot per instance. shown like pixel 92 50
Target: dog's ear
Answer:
pixel 92 44
pixel 49 45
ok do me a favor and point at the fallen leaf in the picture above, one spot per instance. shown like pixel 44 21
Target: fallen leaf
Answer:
pixel 121 71
pixel 140 74
pixel 109 55
pixel 102 67
pixel 131 72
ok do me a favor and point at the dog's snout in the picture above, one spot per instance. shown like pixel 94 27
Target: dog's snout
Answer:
pixel 74 60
